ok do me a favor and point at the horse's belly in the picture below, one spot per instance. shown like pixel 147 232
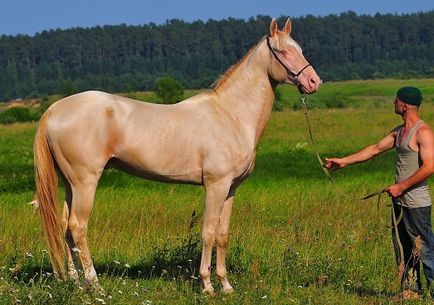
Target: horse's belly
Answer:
pixel 159 172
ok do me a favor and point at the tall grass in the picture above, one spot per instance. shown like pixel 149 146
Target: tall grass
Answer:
pixel 295 239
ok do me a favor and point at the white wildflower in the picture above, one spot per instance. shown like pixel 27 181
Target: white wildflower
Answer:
pixel 76 250
pixel 35 205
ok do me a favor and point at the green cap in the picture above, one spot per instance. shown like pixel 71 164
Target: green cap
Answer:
pixel 410 95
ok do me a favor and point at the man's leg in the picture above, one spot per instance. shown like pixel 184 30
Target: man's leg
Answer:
pixel 407 269
pixel 421 217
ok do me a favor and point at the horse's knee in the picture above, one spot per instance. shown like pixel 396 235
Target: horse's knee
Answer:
pixel 222 240
pixel 208 237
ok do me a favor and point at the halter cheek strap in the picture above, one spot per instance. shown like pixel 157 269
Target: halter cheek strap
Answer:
pixel 290 73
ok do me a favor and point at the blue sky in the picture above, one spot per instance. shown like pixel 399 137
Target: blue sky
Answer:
pixel 31 16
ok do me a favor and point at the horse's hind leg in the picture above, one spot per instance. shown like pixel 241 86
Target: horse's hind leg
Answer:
pixel 222 238
pixel 83 194
pixel 70 245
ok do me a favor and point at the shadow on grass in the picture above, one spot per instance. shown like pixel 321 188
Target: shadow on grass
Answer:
pixel 369 292
pixel 180 262
pixel 167 262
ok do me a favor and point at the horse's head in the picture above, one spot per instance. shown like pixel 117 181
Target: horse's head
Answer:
pixel 287 61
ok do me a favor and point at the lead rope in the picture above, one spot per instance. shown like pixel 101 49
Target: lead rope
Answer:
pixel 395 220
pixel 306 115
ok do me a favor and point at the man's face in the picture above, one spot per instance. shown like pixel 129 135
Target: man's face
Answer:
pixel 399 107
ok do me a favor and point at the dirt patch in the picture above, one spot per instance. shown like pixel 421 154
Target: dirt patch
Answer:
pixel 20 103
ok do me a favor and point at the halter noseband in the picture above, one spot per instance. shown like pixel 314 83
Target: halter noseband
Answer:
pixel 290 73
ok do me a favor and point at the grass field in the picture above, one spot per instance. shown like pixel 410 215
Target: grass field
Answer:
pixel 295 239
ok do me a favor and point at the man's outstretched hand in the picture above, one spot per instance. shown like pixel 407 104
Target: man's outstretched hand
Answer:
pixel 334 163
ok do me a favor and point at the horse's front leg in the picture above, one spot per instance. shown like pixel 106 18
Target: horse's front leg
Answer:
pixel 216 194
pixel 222 238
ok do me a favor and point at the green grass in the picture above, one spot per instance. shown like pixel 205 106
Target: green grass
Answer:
pixel 295 239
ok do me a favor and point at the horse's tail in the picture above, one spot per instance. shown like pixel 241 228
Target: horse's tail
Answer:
pixel 46 193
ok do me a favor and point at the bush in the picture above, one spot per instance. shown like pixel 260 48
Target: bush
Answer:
pixel 45 103
pixel 278 105
pixel 17 114
pixel 168 90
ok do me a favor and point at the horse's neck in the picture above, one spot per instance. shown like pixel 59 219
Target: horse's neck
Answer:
pixel 248 92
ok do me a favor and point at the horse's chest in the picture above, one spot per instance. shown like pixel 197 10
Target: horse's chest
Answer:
pixel 248 166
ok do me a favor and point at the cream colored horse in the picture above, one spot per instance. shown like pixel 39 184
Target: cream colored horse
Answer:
pixel 209 139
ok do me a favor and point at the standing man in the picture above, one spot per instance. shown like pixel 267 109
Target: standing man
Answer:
pixel 414 144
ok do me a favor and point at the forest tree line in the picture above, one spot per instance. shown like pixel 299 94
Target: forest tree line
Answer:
pixel 125 58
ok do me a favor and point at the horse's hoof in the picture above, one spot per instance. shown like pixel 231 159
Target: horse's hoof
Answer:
pixel 95 288
pixel 209 291
pixel 99 289
pixel 73 275
pixel 228 290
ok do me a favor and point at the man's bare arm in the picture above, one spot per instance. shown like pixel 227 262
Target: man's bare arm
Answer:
pixel 365 154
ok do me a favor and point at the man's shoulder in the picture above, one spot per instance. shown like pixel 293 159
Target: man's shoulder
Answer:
pixel 424 132
pixel 425 127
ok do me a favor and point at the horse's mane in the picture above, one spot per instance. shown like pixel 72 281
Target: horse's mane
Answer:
pixel 224 77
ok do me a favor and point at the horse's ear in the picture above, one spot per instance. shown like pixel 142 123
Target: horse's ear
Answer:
pixel 288 26
pixel 273 27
